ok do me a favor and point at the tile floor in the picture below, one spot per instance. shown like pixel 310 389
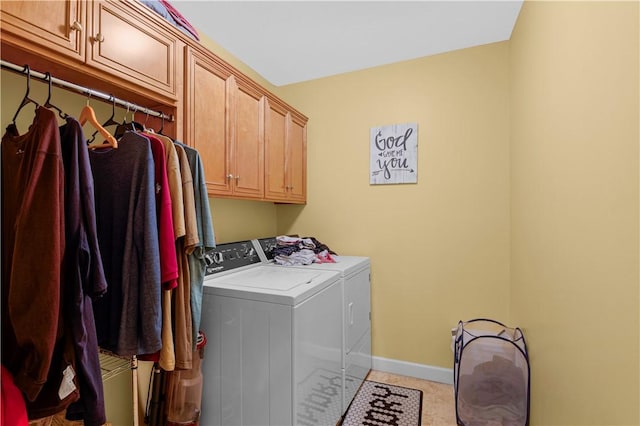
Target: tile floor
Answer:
pixel 438 405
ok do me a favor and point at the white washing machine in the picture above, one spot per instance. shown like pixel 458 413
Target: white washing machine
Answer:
pixel 355 274
pixel 274 351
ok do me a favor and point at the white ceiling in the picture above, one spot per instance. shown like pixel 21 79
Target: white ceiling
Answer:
pixel 292 41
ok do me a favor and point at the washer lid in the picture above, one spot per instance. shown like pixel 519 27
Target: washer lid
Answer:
pixel 271 278
pixel 269 284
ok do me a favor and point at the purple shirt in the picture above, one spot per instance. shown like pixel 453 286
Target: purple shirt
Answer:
pixel 84 273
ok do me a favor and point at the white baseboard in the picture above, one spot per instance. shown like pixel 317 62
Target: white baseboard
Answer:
pixel 411 369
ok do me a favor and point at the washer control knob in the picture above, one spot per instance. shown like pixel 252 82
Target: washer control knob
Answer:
pixel 218 257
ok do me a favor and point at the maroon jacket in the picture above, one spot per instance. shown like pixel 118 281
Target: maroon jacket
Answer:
pixel 32 249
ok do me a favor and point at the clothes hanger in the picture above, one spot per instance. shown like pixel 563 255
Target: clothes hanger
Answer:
pixel 48 104
pixel 110 121
pixel 88 114
pixel 161 127
pixel 146 129
pixel 133 126
pixel 26 100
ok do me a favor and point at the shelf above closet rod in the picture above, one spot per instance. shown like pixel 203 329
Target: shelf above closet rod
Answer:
pixel 86 91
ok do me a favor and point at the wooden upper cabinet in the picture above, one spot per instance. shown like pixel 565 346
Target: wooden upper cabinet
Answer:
pixel 247 124
pixel 285 156
pixel 206 113
pixel 58 26
pixel 275 158
pixel 297 160
pixel 224 122
pixel 119 42
pixel 132 47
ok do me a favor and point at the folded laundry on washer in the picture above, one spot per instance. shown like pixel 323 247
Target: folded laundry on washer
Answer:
pixel 300 257
pixel 302 251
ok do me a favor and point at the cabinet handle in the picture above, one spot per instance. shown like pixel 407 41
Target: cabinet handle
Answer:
pixel 237 179
pixel 76 26
pixel 99 38
pixel 229 176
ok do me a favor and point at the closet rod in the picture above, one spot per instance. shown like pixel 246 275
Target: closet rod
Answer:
pixel 85 90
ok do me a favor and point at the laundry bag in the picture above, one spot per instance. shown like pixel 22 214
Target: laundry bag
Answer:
pixel 491 374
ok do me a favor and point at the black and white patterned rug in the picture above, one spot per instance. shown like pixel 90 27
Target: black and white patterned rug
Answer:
pixel 380 404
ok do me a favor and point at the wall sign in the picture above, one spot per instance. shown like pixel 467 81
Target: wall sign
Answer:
pixel 394 154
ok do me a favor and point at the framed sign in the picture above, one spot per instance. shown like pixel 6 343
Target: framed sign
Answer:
pixel 394 154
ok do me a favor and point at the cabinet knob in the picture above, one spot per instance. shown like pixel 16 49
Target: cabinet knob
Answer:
pixel 229 176
pixel 237 179
pixel 76 26
pixel 99 38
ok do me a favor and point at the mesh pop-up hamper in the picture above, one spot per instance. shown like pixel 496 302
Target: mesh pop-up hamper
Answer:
pixel 491 374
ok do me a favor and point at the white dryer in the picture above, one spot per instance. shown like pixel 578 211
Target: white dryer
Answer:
pixel 274 351
pixel 355 274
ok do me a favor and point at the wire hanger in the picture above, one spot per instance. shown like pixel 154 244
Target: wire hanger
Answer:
pixel 88 114
pixel 161 127
pixel 26 100
pixel 145 122
pixel 48 104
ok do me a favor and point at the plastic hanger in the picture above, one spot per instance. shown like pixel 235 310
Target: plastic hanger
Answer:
pixel 110 121
pixel 48 104
pixel 88 114
pixel 26 100
pixel 132 126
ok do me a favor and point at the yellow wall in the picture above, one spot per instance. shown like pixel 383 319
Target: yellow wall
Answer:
pixel 439 248
pixel 574 160
pixel 236 220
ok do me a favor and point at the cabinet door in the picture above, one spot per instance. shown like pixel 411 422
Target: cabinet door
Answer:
pixel 248 142
pixel 297 161
pixel 124 43
pixel 275 152
pixel 58 26
pixel 206 119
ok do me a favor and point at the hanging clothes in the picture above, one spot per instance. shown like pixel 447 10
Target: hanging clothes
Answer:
pixel 128 318
pixel 206 236
pixel 167 359
pixel 84 273
pixel 32 178
pixel 166 238
pixel 36 341
pixel 168 259
pixel 185 246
